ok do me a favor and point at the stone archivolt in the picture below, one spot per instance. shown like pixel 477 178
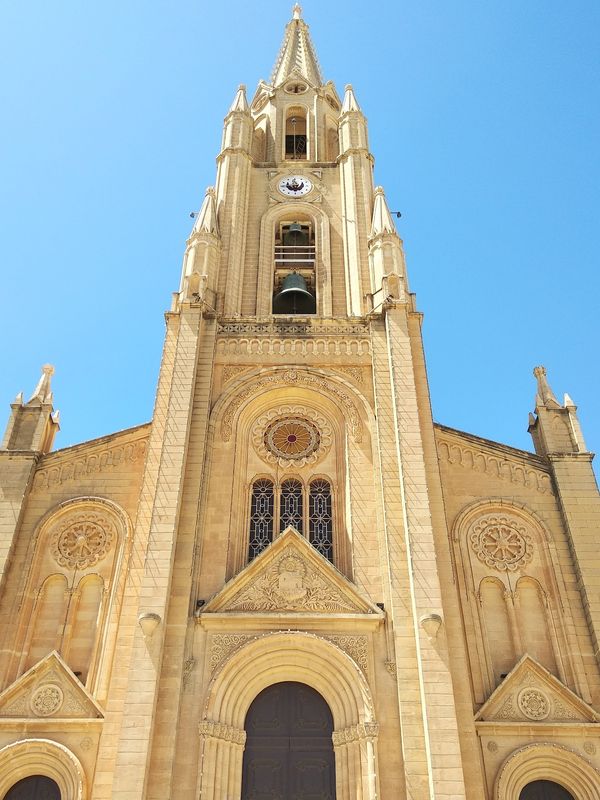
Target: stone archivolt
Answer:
pixel 292 377
pixel 223 645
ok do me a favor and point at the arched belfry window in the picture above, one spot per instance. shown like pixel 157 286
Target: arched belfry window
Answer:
pixel 320 518
pixel 262 514
pixel 290 513
pixel 294 262
pixel 296 143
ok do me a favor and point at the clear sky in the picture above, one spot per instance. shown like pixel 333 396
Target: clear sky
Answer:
pixel 484 121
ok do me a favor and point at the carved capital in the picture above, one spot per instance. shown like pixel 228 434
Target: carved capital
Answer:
pixel 226 733
pixel 356 733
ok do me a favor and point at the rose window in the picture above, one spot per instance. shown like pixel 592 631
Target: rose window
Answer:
pixel 292 438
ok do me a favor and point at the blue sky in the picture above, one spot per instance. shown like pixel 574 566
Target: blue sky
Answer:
pixel 484 121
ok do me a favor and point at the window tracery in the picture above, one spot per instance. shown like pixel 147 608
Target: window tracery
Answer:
pixel 307 508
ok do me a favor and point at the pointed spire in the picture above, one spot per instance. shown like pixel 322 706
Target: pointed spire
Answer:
pixel 350 102
pixel 42 392
pixel 240 103
pixel 545 395
pixel 206 221
pixel 297 53
pixel 382 219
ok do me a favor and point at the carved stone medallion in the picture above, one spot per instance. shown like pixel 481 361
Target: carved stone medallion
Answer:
pixel 81 539
pixel 534 704
pixel 46 700
pixel 501 541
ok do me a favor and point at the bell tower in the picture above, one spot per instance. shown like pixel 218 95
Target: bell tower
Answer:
pixel 293 429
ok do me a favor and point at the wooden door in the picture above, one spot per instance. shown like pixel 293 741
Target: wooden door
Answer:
pixel 545 790
pixel 36 787
pixel 289 751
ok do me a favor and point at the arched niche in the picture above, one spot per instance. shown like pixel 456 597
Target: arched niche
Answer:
pixel 268 228
pixel 77 552
pixel 302 658
pixel 506 541
pixel 239 419
pixel 42 757
pixel 549 762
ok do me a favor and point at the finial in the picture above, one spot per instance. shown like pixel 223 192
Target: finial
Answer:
pixel 42 391
pixel 297 11
pixel 544 390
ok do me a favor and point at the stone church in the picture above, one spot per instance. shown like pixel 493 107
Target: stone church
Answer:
pixel 292 584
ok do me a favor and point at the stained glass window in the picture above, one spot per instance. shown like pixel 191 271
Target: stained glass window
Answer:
pixel 261 517
pixel 320 521
pixel 290 511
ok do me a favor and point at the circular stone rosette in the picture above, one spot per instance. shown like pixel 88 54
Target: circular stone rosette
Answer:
pixel 46 700
pixel 502 542
pixel 291 436
pixel 534 704
pixel 81 540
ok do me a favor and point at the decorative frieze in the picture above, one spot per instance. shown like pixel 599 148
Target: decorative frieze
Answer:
pixel 356 646
pixel 292 377
pixel 227 347
pixel 78 467
pixel 223 645
pixel 494 466
pixel 316 327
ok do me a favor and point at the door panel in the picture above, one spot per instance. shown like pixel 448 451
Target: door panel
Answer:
pixel 289 751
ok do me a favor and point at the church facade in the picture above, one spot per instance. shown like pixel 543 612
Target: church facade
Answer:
pixel 292 584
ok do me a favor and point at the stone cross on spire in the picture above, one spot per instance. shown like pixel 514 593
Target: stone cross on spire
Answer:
pixel 297 53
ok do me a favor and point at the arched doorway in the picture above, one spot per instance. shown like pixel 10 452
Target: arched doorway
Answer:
pixel 35 787
pixel 545 790
pixel 289 749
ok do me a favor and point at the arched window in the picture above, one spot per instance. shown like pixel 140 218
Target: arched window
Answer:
pixel 291 506
pixel 294 263
pixel 35 787
pixel 262 513
pixel 320 519
pixel 295 134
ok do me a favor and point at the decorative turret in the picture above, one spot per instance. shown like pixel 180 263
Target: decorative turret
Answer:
pixel 386 257
pixel 555 428
pixel 33 425
pixel 201 260
pixel 353 124
pixel 237 132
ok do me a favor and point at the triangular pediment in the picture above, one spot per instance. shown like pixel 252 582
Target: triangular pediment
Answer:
pixel 290 576
pixel 48 690
pixel 530 693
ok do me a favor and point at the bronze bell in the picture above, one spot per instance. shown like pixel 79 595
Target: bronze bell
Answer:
pixel 294 297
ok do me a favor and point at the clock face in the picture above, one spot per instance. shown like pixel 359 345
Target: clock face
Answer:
pixel 295 185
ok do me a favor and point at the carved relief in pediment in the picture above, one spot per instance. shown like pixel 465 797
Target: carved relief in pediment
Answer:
pixel 532 694
pixel 290 576
pixel 48 690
